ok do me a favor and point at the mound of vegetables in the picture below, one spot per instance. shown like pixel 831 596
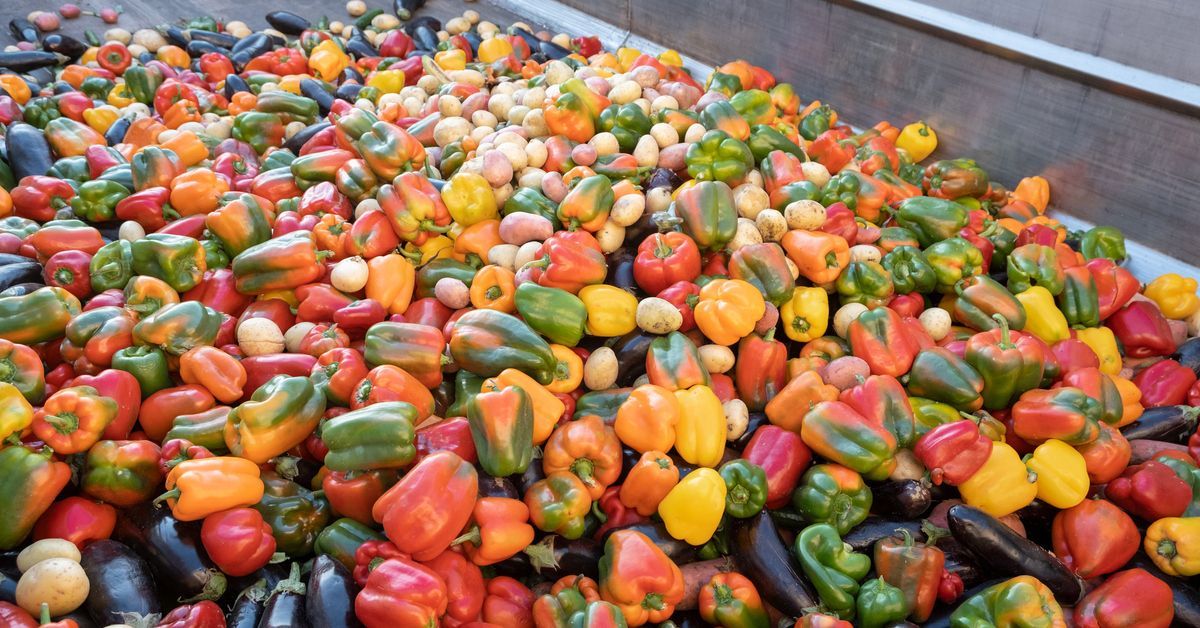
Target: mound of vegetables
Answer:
pixel 397 323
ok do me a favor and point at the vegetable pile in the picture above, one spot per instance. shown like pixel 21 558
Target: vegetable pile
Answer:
pixel 397 323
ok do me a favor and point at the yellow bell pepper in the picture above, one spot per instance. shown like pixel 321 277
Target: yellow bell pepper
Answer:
pixel 328 60
pixel 918 139
pixel 1043 318
pixel 453 59
pixel 1104 343
pixel 100 118
pixel 287 296
pixel 1002 485
pixel 437 247
pixel 201 487
pixel 1062 479
pixel 1131 400
pixel 494 49
pixel 469 199
pixel 387 81
pixel 671 57
pixel 291 83
pixel 728 310
pixel 1175 295
pixel 547 409
pixel 89 55
pixel 611 311
pixel 700 432
pixel 626 57
pixel 1173 543
pixel 15 412
pixel 805 316
pixel 606 60
pixel 119 96
pixel 692 509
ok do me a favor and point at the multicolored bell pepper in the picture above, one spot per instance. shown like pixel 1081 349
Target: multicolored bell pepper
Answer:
pixel 502 428
pixel 883 397
pixel 832 494
pixel 379 436
pixel 559 504
pixel 30 480
pixel 37 316
pixel 123 473
pixel 72 419
pixel 880 337
pixel 707 214
pixel 179 327
pixel 1023 599
pixel 955 178
pixel 953 260
pixel 278 416
pixel 486 342
pixel 980 298
pixel 282 263
pixel 938 373
pixel 639 578
pixel 838 433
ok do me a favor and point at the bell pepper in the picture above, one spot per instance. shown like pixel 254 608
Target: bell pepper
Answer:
pixel 1115 285
pixel 296 515
pixel 1078 301
pixel 158 410
pixel 1133 597
pixel 639 578
pixel 745 488
pixel 72 419
pixel 148 365
pixel 788 408
pixel 39 197
pixel 555 313
pixel 37 316
pixel 1104 343
pixel 916 568
pixel 96 200
pixel 177 260
pixel 502 428
pixel 664 259
pixel 417 349
pixel 648 482
pixel 1186 469
pixel 154 167
pixel 564 263
pixel 953 260
pixel 21 367
pixel 953 451
pixel 547 408
pixel 238 541
pixel 1094 538
pixel 279 415
pixel 719 157
pixel 98 333
pixel 587 204
pixel 832 494
pixel 707 214
pixel 179 327
pixel 282 263
pixel 569 115
pixel 500 530
pixel 673 362
pixel 206 428
pixel 1103 243
pixel 918 140
pixel 486 342
pixel 693 508
pixel 866 282
pixel 199 488
pixel 831 566
pixel 955 178
pixel 611 311
pixel 1142 330
pixel 587 448
pixel 64 235
pixel 931 219
pixel 1175 295
pixel 765 139
pixel 559 503
pixel 880 337
pixel 378 436
pixel 783 456
pixel 337 373
pixel 1150 490
pixel 1003 485
pixel 467 594
pixel 700 433
pixel 112 266
pixel 414 208
pixel 240 223
pixel 647 418
pixel 401 592
pixel 938 373
pixel 805 314
pixel 1067 414
pixel 342 538
pixel 71 138
pixel 390 150
pixel 833 149
pixel 441 483
pixel 882 397
pixel 1171 543
pixel 123 473
pixel 176 450
pixel 819 256
pixel 838 433
pixel 1020 600
pixel 15 412
pixel 1035 265
pixel 728 310
pixel 1100 387
pixel 568 597
pixel 30 480
pixel 880 603
pixel 1062 478
pixel 909 270
pixel 862 194
pixel 1042 317
pixel 730 600
pixel 351 494
pixel 1008 368
pixel 761 369
pixel 260 130
pixel 979 299
pixel 220 373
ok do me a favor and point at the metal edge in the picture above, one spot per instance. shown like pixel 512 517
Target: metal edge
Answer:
pixel 1144 262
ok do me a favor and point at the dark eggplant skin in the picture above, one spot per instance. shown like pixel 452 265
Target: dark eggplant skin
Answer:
pixel 533 473
pixel 296 141
pixel 552 50
pixel 331 593
pixel 581 556
pixel 863 536
pixel 9 574
pixel 1187 599
pixel 21 289
pixel 285 609
pixel 288 23
pixel 631 352
pixel 235 84
pixel 941 613
pixel 173 549
pixel 425 37
pixel 359 46
pixel 23 30
pixel 64 45
pixel 249 47
pixel 176 36
pixel 197 48
pixel 428 21
pixel 23 272
pixel 1038 518
pixel 908 499
pixel 1172 424
pixel 640 230
pixel 348 91
pixel 1188 354
pixel 679 551
pixel 120 582
pixel 268 576
pixel 315 90
pixel 116 133
pixel 497 487
pixel 762 557
pixel 1002 551
pixel 222 40
pixel 757 420
pixel 246 612
pixel 28 150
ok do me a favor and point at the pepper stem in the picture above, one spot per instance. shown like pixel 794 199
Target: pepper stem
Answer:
pixel 583 468
pixel 65 423
pixel 471 536
pixel 171 494
pixel 932 532
pixel 214 587
pixel 1166 548
pixel 45 614
pixel 541 555
pixel 1005 337
pixel 661 249
pixel 653 601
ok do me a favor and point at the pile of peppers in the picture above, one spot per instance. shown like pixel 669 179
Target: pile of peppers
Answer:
pixel 404 323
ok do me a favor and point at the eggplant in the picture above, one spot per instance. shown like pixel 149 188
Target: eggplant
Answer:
pixel 38 77
pixel 631 350
pixel 863 536
pixel 1001 550
pixel 285 607
pixel 176 36
pixel 552 50
pixel 620 270
pixel 762 557
pixel 120 582
pixel 1038 518
pixel 532 474
pixel 427 21
pixel 222 40
pixel 473 39
pixel 425 38
pixel 314 89
pixel 28 151
pixel 331 593
pixel 297 141
pixel 405 8
pixel 908 499
pixel 757 420
pixel 941 613
pixel 1187 600
pixel 640 230
pixel 64 45
pixel 497 487
pixel 268 575
pixel 9 575
pixel 685 619
pixel 1188 354
pixel 21 289
pixel 116 133
pixel 26 60
pixel 249 47
pixel 348 91
pixel 351 74
pixel 28 271
pixel 288 23
pixel 248 607
pixel 581 556
pixel 23 30
pixel 531 40
pixel 1172 424
pixel 359 46
pixel 174 551
pixel 235 84
pixel 197 48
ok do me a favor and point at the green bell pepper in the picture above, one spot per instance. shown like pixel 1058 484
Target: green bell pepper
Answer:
pixel 277 159
pixel 931 219
pixel 866 282
pixel 723 83
pixel 815 123
pixel 206 429
pixel 278 416
pixel 175 259
pixel 602 403
pixel 96 201
pixel 955 178
pixel 832 567
pixel 502 428
pixel 29 482
pixel 215 255
pixel 97 87
pixel 552 312
pixel 880 604
pixel 1107 242
pixel 765 138
pixel 929 414
pixel 952 260
pixel 1020 601
pixel 627 122
pixel 466 386
pixel 842 187
pixel 938 373
pixel 38 316
pixel 486 342
pixel 72 169
pixel 292 105
pixel 112 266
pixel 342 538
pixel 910 271
pixel 178 327
pixel 531 201
pixel 438 269
pixel 40 110
pixel 745 488
pixel 18 226
pixel 260 130
pixel 980 298
pixel 754 105
pixel 296 515
pixel 765 266
pixel 148 365
pixel 141 82
pixel 1079 299
pixel 1035 265
pixel 378 436
pixel 832 494
pixel 719 157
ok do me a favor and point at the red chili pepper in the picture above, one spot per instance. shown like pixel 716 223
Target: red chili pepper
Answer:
pixel 1164 383
pixel 783 455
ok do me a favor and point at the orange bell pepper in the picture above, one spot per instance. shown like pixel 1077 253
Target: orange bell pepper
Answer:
pixel 500 530
pixel 787 409
pixel 188 147
pixel 547 409
pixel 475 241
pixel 198 488
pixel 390 281
pixel 646 419
pixel 493 289
pixel 819 256
pixel 569 372
pixel 241 102
pixel 180 113
pixel 728 310
pixel 222 374
pixel 1131 400
pixel 197 192
pixel 1035 191
pixel 639 578
pixel 648 482
pixel 143 132
pixel 587 448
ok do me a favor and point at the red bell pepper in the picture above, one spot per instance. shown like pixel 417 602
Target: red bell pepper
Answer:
pixel 508 603
pixel 370 555
pixel 217 290
pixel 1074 354
pixel 1164 383
pixel 950 588
pixel 1150 490
pixel 204 614
pixel 616 514
pixel 77 520
pixel 318 302
pixel 337 373
pixel 453 434
pixel 358 316
pixel 1094 538
pixel 953 451
pixel 464 587
pixel 39 197
pixel 683 295
pixel 401 592
pixel 14 616
pixel 238 540
pixel 665 258
pixel 64 235
pixel 562 262
pixel 783 455
pixel 289 221
pixel 177 450
pixel 149 208
pixel 883 398
pixel 1114 285
pixel 72 419
pixel 1142 330
pixel 839 220
pixel 833 150
pixel 881 338
pixel 353 493
pixel 428 311
pixel 122 387
pixel 260 368
pixel 761 369
pixel 1133 597
pixel 159 410
pixel 392 383
pixel 428 507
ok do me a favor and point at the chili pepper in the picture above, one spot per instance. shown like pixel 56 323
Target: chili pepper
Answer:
pixel 1131 597
pixel 1171 543
pixel 1115 286
pixel 279 415
pixel 1164 383
pixel 199 488
pixel 639 578
pixel 833 569
pixel 939 374
pixel 1094 538
pixel 1043 318
pixel 1150 490
pixel 880 338
pixel 1023 599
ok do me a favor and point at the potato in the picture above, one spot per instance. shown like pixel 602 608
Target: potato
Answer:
pixel 453 293
pixel 503 255
pixel 865 253
pixel 521 227
pixel 747 233
pixel 716 358
pixel 46 549
pixel 295 334
pixel 349 275
pixel 771 225
pixel 936 321
pixel 59 582
pixel 258 336
pixel 751 200
pixel 628 209
pixel 815 173
pixel 600 370
pixel 658 316
pixel 804 214
pixel 737 419
pixel 845 372
pixel 610 236
pixel 845 315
